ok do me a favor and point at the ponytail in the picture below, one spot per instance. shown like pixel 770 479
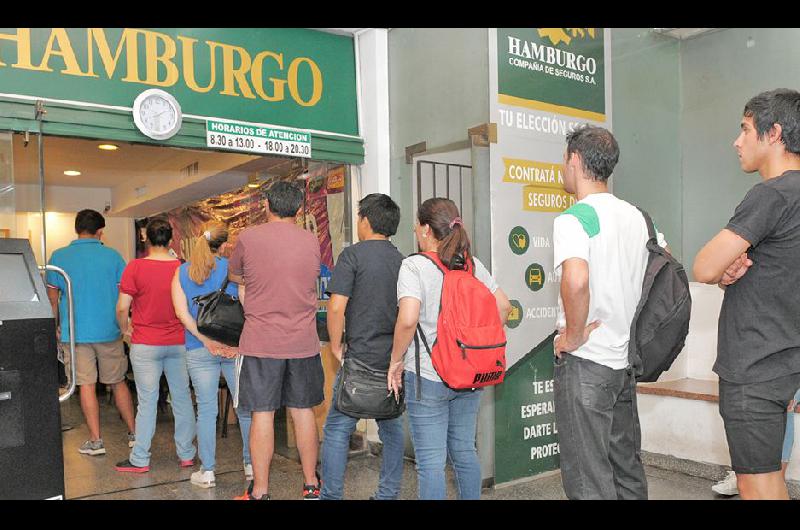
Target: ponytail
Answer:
pixel 448 228
pixel 202 260
pixel 454 248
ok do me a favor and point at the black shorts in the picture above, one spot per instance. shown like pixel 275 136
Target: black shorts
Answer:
pixel 755 421
pixel 266 385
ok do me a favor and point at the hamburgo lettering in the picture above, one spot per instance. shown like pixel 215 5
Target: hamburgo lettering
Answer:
pixel 242 75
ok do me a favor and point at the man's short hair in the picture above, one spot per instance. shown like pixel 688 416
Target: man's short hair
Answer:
pixel 781 106
pixel 598 149
pixel 89 222
pixel 159 232
pixel 285 198
pixel 381 211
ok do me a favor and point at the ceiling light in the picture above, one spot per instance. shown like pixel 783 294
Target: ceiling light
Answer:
pixel 72 173
pixel 108 147
pixel 252 181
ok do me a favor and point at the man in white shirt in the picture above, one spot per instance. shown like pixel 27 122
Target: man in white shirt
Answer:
pixel 600 246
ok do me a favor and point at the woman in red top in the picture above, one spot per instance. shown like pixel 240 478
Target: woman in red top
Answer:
pixel 157 345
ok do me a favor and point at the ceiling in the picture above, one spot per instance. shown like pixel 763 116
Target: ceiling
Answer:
pixel 138 164
pixel 103 169
pixel 684 33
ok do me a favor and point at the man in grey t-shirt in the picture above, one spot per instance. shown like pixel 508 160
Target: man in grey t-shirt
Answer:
pixel 755 259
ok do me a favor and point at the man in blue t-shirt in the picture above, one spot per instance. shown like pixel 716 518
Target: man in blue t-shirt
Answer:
pixel 94 271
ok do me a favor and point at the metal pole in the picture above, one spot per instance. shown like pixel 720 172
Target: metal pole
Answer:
pixel 71 313
pixel 40 112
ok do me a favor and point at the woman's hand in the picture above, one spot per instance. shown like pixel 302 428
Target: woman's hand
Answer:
pixel 218 349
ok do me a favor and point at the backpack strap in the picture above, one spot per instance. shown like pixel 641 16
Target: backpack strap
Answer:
pixel 434 257
pixel 651 230
pixel 417 335
pixel 652 241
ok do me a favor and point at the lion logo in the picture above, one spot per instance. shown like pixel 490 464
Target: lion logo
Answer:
pixel 565 35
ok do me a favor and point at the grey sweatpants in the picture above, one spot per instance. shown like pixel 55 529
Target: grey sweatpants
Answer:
pixel 598 429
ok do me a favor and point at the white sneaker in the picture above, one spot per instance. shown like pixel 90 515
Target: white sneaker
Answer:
pixel 204 479
pixel 248 471
pixel 726 486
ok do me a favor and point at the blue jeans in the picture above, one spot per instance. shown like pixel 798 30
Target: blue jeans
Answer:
pixel 148 364
pixel 788 438
pixel 336 445
pixel 443 424
pixel 204 369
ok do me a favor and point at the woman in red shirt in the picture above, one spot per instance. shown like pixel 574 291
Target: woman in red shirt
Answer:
pixel 157 345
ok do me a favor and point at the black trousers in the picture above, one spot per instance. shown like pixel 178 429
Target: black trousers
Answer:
pixel 599 433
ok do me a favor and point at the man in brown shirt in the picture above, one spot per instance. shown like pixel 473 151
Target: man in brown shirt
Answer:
pixel 276 266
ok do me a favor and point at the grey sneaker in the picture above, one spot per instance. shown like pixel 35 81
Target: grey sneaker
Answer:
pixel 727 486
pixel 131 439
pixel 93 448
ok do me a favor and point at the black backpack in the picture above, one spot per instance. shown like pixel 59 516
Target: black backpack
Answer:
pixel 661 321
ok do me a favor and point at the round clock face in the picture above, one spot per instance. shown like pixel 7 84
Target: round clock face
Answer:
pixel 157 114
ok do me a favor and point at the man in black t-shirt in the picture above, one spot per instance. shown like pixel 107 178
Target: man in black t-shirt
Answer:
pixel 755 259
pixel 363 291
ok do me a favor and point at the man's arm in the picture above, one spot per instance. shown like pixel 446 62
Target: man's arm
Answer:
pixel 575 297
pixel 718 255
pixel 336 308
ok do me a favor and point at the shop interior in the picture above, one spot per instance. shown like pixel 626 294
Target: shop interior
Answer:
pixel 131 183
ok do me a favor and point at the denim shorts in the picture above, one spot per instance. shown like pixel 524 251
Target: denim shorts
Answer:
pixel 269 384
pixel 755 421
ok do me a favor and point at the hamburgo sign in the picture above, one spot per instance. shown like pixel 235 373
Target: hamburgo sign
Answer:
pixel 261 75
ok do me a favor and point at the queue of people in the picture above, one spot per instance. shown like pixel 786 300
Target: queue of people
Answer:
pixel 383 304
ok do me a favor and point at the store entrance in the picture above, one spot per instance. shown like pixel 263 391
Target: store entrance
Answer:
pixel 130 183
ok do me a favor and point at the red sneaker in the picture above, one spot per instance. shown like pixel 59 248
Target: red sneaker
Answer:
pixel 126 467
pixel 187 463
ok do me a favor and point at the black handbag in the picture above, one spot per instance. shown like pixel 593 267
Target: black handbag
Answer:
pixel 362 393
pixel 220 316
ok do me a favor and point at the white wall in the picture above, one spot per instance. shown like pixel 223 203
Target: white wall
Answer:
pixel 687 428
pixel 118 233
pixel 684 428
pixel 697 358
pixel 372 47
pixel 61 198
pixel 61 205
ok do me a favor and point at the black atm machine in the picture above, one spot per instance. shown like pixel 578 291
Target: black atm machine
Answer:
pixel 31 457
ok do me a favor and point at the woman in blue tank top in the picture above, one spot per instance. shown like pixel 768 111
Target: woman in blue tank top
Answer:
pixel 204 273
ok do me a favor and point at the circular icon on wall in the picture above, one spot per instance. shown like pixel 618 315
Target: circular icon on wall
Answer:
pixel 519 240
pixel 515 316
pixel 534 277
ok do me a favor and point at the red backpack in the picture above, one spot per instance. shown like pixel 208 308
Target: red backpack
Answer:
pixel 470 346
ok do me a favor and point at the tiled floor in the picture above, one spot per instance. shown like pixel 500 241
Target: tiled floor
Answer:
pixel 89 477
